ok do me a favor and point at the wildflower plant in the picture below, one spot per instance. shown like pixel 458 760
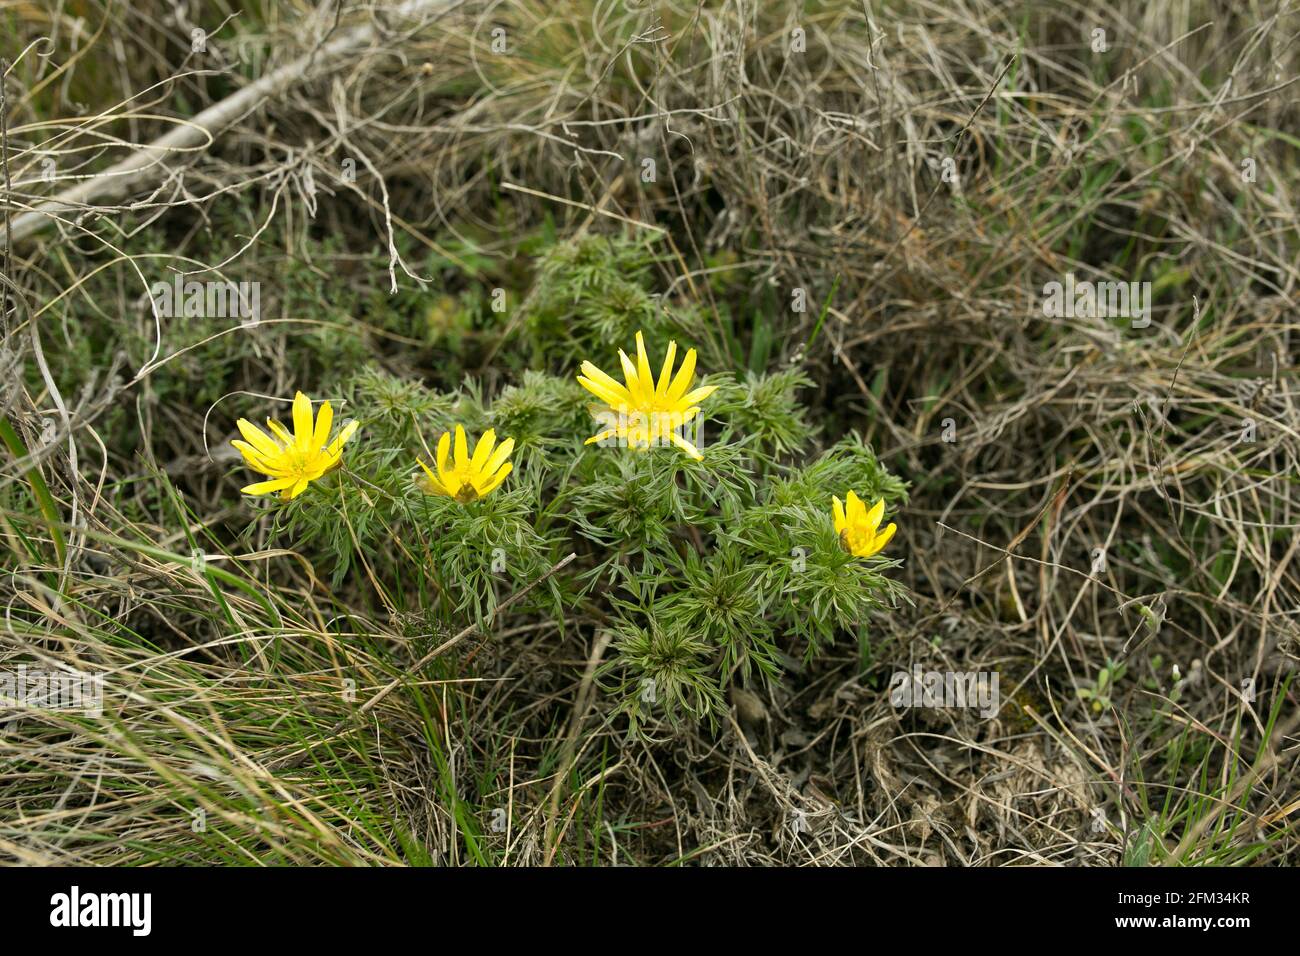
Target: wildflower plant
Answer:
pixel 707 567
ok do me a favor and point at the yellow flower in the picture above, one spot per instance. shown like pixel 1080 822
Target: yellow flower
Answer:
pixel 857 526
pixel 469 478
pixel 292 461
pixel 642 412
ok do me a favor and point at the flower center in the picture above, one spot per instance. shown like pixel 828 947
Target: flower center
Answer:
pixel 654 419
pixel 299 462
pixel 856 539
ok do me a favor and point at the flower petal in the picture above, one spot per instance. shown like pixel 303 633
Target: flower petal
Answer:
pixel 882 539
pixel 483 450
pixel 254 459
pixel 302 425
pixel 683 379
pixel 605 381
pixel 666 372
pixel 434 485
pixel 854 510
pixel 643 365
pixel 697 395
pixel 606 394
pixel 335 448
pixel 685 446
pixel 633 382
pixel 462 450
pixel 280 432
pixel 324 422
pixel 499 456
pixel 837 510
pixel 494 481
pixel 266 487
pixel 257 438
pixel 444 466
pixel 875 514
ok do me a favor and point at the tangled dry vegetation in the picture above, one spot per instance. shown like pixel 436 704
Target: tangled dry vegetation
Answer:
pixel 399 168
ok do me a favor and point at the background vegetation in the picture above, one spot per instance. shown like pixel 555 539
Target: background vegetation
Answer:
pixel 340 679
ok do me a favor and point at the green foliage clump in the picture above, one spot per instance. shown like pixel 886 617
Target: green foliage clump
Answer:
pixel 702 574
pixel 592 291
